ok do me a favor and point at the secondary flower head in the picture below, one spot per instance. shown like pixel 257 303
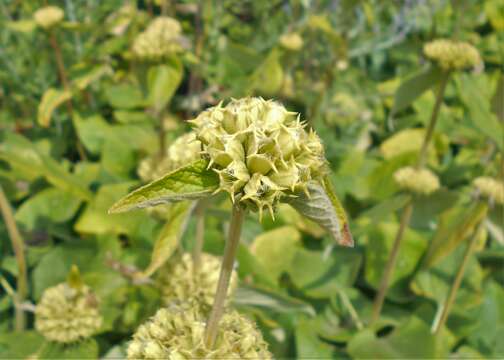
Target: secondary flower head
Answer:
pixel 291 41
pixel 490 188
pixel 160 40
pixel 179 282
pixel 184 150
pixel 177 332
pixel 66 314
pixel 260 150
pixel 452 55
pixel 418 181
pixel 48 16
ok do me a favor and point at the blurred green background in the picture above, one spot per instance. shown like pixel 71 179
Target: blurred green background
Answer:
pixel 78 113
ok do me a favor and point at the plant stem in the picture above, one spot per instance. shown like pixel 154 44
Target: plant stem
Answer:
pixel 392 260
pixel 200 235
pixel 458 278
pixel 433 120
pixel 66 85
pixel 226 270
pixel 408 209
pixel 162 136
pixel 18 246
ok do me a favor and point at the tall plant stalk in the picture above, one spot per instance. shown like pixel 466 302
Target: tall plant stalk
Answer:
pixel 408 208
pixel 226 270
pixel 200 235
pixel 458 279
pixel 18 246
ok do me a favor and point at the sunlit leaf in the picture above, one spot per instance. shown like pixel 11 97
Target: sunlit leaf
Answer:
pixel 51 99
pixel 162 81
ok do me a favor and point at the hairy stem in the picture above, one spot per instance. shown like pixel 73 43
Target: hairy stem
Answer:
pixel 18 246
pixel 200 235
pixel 458 278
pixel 66 85
pixel 226 270
pixel 392 260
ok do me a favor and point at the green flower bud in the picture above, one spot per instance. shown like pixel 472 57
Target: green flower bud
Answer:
pixel 260 150
pixel 490 188
pixel 48 16
pixel 452 55
pixel 177 281
pixel 161 39
pixel 418 181
pixel 177 332
pixel 67 314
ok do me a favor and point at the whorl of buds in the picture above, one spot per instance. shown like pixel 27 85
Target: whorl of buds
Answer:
pixel 66 314
pixel 177 332
pixel 417 181
pixel 48 16
pixel 260 150
pixel 292 41
pixel 180 282
pixel 184 150
pixel 490 188
pixel 452 55
pixel 160 40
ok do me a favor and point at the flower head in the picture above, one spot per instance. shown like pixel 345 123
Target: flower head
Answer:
pixel 292 41
pixel 48 16
pixel 490 188
pixel 160 40
pixel 452 55
pixel 418 181
pixel 177 332
pixel 260 150
pixel 179 282
pixel 66 314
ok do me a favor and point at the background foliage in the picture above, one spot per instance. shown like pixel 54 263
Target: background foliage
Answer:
pixel 62 168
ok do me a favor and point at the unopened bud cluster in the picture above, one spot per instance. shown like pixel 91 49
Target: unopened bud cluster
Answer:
pixel 66 314
pixel 180 282
pixel 291 41
pixel 48 16
pixel 160 40
pixel 417 181
pixel 490 188
pixel 183 151
pixel 452 55
pixel 260 150
pixel 177 332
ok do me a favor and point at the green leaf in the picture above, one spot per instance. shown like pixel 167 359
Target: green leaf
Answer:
pixel 23 26
pixel 83 81
pixel 51 99
pixel 85 349
pixel 19 345
pixel 124 96
pixel 415 86
pixel 170 235
pixel 162 81
pixel 323 208
pixel 191 182
pixel 382 210
pixel 275 249
pixel 92 131
pixel 308 343
pixel 269 299
pixel 267 79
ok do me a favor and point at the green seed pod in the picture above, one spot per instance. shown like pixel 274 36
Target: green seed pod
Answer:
pixel 417 181
pixel 161 39
pixel 260 150
pixel 48 16
pixel 179 282
pixel 177 332
pixel 490 188
pixel 452 55
pixel 66 314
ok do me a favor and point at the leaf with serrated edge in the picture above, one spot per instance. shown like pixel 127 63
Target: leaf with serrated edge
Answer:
pixel 191 182
pixel 324 208
pixel 168 239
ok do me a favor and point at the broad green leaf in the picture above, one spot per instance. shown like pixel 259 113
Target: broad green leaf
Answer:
pixel 270 300
pixel 48 206
pixel 127 117
pixel 275 249
pixel 415 86
pixel 268 77
pixel 162 81
pixel 124 96
pixel 23 26
pixel 384 209
pixel 51 99
pixel 308 343
pixel 498 99
pixel 19 345
pixel 83 81
pixel 191 182
pixel 92 131
pixel 323 208
pixel 454 227
pixel 170 235
pixel 84 349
